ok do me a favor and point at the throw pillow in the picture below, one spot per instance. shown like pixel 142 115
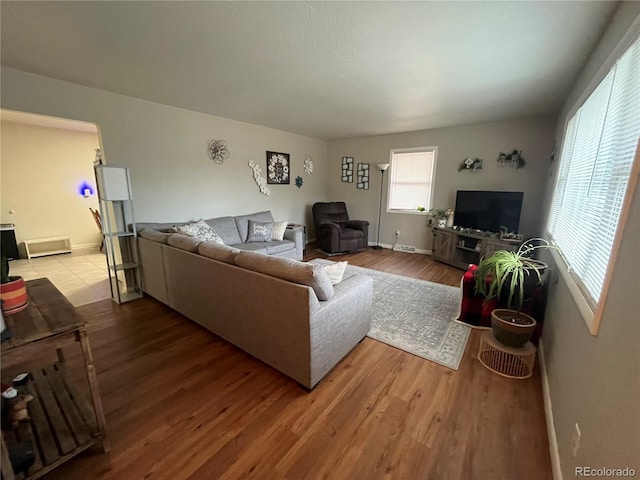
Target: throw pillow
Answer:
pixel 199 229
pixel 259 231
pixel 335 271
pixel 277 232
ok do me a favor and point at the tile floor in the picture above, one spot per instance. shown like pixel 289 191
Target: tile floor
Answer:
pixel 81 276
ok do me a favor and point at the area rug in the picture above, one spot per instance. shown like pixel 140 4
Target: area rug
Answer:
pixel 415 316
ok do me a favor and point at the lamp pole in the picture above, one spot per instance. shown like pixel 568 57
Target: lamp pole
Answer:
pixel 382 167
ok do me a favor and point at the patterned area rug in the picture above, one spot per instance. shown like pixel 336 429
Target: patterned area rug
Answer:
pixel 415 316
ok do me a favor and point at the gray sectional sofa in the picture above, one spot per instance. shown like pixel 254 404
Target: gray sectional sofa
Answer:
pixel 234 232
pixel 282 311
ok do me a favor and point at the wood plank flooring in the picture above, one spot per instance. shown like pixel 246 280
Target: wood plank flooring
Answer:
pixel 181 403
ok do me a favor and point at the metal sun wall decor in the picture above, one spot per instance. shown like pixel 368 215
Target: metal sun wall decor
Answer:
pixel 472 164
pixel 260 181
pixel 218 150
pixel 513 159
pixel 363 176
pixel 308 165
pixel 347 169
pixel 278 168
pixel 299 181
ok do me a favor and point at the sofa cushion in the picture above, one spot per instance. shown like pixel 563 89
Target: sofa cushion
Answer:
pixel 335 271
pixel 222 253
pixel 308 274
pixel 199 229
pixel 226 228
pixel 155 235
pixel 259 231
pixel 258 247
pixel 274 246
pixel 185 242
pixel 277 232
pixel 242 222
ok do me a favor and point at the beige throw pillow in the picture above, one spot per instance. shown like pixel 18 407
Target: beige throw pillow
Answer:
pixel 335 271
pixel 278 229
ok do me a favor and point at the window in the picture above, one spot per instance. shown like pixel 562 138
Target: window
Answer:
pixel 411 179
pixel 598 152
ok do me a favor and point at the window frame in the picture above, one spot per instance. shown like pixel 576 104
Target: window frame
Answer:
pixel 394 151
pixel 592 315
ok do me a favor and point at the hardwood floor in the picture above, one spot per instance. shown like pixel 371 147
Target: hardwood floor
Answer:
pixel 182 403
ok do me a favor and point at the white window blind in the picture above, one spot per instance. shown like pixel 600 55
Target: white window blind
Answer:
pixel 597 157
pixel 410 180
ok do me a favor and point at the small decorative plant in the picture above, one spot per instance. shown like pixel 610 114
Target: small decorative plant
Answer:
pixel 506 275
pixel 436 214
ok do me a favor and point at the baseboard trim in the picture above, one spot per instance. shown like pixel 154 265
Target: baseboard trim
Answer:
pixel 548 413
pixel 85 246
pixel 390 247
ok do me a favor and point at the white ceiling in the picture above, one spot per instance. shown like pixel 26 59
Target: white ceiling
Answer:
pixel 323 69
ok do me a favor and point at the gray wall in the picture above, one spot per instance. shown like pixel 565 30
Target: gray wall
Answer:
pixel 595 380
pixel 166 149
pixel 534 136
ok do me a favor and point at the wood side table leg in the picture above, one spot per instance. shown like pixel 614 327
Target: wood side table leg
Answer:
pixel 93 385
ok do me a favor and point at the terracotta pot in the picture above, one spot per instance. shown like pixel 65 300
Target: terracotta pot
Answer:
pixel 512 328
pixel 14 296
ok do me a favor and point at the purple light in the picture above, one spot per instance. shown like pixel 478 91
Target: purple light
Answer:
pixel 85 189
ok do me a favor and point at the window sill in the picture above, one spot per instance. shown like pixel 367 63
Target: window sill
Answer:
pixel 408 212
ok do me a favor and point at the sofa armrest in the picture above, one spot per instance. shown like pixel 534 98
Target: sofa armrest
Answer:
pixel 357 224
pixel 337 325
pixel 296 235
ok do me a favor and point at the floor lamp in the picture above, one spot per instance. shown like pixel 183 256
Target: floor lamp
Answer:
pixel 382 167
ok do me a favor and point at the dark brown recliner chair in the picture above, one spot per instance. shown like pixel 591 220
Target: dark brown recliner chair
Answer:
pixel 335 232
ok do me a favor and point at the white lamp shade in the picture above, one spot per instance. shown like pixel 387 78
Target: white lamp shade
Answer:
pixel 113 183
pixel 383 166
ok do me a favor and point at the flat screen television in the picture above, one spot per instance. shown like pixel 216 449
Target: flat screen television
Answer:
pixel 488 211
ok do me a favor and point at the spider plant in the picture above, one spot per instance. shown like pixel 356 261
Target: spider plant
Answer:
pixel 504 274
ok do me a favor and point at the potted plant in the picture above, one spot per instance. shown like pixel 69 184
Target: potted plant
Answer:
pixel 439 216
pixel 511 277
pixel 13 292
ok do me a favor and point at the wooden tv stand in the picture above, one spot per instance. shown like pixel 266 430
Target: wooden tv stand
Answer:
pixel 460 247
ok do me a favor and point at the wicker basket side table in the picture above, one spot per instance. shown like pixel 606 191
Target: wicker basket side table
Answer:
pixel 506 361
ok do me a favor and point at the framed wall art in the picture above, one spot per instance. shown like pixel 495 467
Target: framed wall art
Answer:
pixel 278 167
pixel 363 176
pixel 347 169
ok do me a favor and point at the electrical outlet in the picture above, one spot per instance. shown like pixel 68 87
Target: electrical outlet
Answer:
pixel 575 440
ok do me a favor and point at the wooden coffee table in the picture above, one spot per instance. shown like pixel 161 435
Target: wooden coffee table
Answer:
pixel 63 422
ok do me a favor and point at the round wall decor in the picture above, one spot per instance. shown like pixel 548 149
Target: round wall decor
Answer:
pixel 218 150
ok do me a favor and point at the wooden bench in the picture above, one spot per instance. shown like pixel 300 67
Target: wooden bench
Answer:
pixel 39 247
